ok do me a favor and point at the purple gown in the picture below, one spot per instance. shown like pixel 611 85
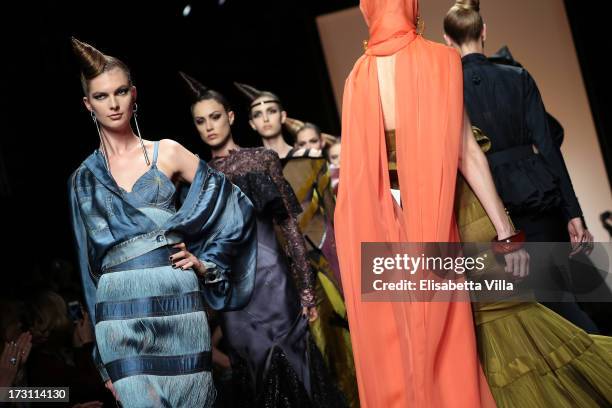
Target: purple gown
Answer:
pixel 274 360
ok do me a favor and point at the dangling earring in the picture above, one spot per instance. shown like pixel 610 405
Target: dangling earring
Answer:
pixel 104 153
pixel 144 150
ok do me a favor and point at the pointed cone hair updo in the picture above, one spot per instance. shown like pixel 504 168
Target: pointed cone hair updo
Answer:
pixel 195 87
pixel 248 91
pixel 92 61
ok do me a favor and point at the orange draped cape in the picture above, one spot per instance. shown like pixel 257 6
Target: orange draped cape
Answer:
pixel 407 354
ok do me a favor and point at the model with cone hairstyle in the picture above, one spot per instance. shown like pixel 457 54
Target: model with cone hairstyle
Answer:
pixel 274 361
pixel 307 172
pixel 266 117
pixel 149 268
pixel 498 98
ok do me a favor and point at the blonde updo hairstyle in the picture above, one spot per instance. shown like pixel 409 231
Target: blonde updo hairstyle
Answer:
pixel 463 22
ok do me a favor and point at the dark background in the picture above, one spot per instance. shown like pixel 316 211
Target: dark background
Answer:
pixel 274 45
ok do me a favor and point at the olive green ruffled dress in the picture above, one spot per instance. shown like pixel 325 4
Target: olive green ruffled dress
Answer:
pixel 531 356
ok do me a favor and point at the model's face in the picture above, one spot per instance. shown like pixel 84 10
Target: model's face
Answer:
pixel 111 98
pixel 266 118
pixel 213 122
pixel 334 154
pixel 308 139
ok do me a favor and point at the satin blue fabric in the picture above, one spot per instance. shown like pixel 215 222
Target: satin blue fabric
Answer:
pixel 215 221
pixel 150 306
pixel 125 367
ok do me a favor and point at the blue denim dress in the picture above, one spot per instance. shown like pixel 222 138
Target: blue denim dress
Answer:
pixel 152 334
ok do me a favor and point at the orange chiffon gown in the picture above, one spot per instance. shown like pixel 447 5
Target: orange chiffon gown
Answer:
pixel 407 354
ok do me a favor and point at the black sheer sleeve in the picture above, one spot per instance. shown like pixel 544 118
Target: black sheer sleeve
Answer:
pixel 295 245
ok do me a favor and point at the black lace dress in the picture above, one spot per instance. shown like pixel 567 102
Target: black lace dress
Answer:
pixel 274 361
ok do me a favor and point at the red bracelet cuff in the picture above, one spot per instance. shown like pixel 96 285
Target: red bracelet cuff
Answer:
pixel 508 245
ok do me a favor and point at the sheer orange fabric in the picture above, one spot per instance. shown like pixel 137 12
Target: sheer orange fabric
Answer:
pixel 407 354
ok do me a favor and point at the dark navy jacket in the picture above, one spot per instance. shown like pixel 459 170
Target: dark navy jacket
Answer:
pixel 505 104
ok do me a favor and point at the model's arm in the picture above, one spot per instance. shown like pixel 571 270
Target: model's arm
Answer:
pixel 179 162
pixel 224 252
pixel 537 125
pixel 475 168
pixel 539 132
pixel 223 262
pixel 296 247
pixel 182 166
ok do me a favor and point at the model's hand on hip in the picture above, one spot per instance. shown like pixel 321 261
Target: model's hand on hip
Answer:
pixel 186 260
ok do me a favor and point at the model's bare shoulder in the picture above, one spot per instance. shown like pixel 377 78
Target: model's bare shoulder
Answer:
pixel 170 144
pixel 177 160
